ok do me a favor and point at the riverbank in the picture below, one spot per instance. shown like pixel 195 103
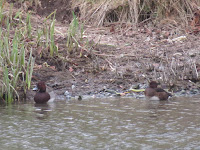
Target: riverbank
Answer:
pixel 120 62
pixel 117 57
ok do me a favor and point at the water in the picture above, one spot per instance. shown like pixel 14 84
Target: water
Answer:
pixel 101 124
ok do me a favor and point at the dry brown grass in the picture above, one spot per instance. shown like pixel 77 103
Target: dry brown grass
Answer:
pixel 100 12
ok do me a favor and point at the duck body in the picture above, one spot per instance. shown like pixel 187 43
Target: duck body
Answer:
pixel 155 93
pixel 41 96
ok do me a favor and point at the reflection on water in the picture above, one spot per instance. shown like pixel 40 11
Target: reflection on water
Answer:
pixel 102 124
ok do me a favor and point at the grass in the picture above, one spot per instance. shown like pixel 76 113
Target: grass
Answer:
pixel 101 12
pixel 48 35
pixel 16 60
pixel 53 47
pixel 72 33
pixel 17 41
pixel 75 35
pixel 13 62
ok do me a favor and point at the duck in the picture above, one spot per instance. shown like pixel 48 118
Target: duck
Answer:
pixel 41 95
pixel 154 93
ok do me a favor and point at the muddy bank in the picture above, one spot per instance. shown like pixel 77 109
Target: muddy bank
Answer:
pixel 117 63
pixel 118 57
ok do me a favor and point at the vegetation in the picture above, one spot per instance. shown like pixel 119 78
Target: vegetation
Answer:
pixel 16 71
pixel 75 33
pixel 19 38
pixel 16 60
pixel 99 12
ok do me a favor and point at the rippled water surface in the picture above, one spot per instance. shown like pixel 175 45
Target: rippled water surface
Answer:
pixel 102 124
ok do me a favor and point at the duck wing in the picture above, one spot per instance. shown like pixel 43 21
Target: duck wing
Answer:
pixel 162 90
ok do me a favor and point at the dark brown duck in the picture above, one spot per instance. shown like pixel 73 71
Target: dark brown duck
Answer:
pixel 155 93
pixel 41 96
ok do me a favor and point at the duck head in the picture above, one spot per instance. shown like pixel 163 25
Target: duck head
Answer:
pixel 153 84
pixel 41 87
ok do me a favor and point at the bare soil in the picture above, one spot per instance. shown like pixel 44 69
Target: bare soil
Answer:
pixel 119 57
pixel 121 62
pixel 62 7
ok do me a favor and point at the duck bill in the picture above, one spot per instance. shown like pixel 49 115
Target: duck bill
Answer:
pixel 35 88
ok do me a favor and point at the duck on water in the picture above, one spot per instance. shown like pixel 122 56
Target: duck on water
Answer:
pixel 154 93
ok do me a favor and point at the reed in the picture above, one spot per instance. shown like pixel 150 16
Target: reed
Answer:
pixel 48 34
pixel 28 25
pixel 75 33
pixel 15 71
pixel 29 70
pixel 16 61
pixel 53 47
